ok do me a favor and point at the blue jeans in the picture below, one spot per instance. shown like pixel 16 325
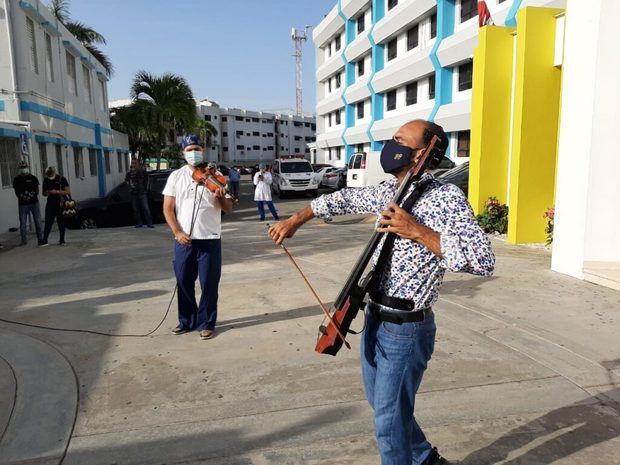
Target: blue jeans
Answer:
pixel 394 358
pixel 24 211
pixel 201 259
pixel 261 209
pixel 141 210
pixel 234 188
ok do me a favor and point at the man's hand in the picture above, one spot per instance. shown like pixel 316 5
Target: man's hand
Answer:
pixel 182 238
pixel 402 223
pixel 220 192
pixel 283 230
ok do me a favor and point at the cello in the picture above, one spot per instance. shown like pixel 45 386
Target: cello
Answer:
pixel 351 298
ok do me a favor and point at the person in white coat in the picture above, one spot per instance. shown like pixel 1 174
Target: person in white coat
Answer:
pixel 262 193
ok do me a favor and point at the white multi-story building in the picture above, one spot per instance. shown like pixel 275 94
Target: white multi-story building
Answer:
pixel 53 107
pixel 246 136
pixel 382 63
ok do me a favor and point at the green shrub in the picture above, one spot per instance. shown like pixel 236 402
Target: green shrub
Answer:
pixel 494 218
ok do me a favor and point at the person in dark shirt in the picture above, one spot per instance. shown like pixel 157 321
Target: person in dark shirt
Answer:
pixel 26 188
pixel 55 187
pixel 138 181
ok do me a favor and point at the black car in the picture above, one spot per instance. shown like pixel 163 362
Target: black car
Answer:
pixel 458 176
pixel 223 169
pixel 115 208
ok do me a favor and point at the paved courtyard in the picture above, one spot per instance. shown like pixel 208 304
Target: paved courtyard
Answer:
pixel 525 370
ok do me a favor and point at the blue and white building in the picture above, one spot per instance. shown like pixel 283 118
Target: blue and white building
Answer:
pixel 382 63
pixel 53 108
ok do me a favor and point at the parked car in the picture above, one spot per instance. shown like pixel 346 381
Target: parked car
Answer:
pixel 293 175
pixel 245 170
pixel 321 172
pixel 459 176
pixel 223 169
pixel 318 166
pixel 336 179
pixel 115 208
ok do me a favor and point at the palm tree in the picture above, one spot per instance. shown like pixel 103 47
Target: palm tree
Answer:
pixel 205 130
pixel 136 120
pixel 85 34
pixel 169 101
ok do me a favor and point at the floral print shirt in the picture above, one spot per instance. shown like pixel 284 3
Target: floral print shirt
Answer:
pixel 415 273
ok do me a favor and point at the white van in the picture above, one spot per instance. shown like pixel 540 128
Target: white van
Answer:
pixel 365 170
pixel 293 175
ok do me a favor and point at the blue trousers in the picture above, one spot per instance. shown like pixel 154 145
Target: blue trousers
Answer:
pixel 141 211
pixel 394 358
pixel 261 209
pixel 24 211
pixel 201 259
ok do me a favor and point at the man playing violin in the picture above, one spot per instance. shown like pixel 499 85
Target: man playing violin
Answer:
pixel 194 214
pixel 439 233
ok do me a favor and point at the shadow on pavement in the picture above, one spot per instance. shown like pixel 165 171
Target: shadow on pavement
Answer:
pixel 555 435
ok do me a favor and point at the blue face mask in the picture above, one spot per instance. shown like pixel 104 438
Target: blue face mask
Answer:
pixel 193 157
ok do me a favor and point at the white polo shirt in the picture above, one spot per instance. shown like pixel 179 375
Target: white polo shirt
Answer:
pixel 190 197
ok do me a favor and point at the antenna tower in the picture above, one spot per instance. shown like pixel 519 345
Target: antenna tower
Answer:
pixel 299 37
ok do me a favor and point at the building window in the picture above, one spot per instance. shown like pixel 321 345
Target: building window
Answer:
pixel 239 147
pixel 313 126
pixel 270 134
pixel 255 120
pixel 413 37
pixel 92 162
pixel 462 146
pixel 255 133
pixel 359 148
pixel 337 117
pixel 361 23
pixel 337 42
pixel 391 4
pixel 32 39
pixel 501 1
pixel 360 67
pixel 207 117
pixel 248 134
pixel 297 150
pixel 9 157
pixel 103 96
pixel 224 119
pixel 88 91
pixel 224 134
pixel 238 118
pixel 78 162
pixel 71 73
pixel 465 75
pixel 412 93
pixel 469 9
pixel 431 87
pixel 239 133
pixel 338 83
pixel 270 147
pixel 338 153
pixel 433 25
pixel 256 147
pixel 106 157
pixel 49 61
pixel 360 110
pixel 391 100
pixel 248 120
pixel 329 85
pixel 43 158
pixel 329 120
pixel 59 168
pixel 119 161
pixel 224 149
pixel 391 49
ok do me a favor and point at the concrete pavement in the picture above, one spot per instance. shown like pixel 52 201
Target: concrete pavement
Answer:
pixel 525 370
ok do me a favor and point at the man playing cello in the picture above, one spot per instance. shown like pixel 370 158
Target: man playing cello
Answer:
pixel 439 233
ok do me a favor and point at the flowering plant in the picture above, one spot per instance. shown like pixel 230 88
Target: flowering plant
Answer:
pixel 549 216
pixel 495 216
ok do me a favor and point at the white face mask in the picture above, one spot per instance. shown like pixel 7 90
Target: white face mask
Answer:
pixel 52 177
pixel 24 171
pixel 193 157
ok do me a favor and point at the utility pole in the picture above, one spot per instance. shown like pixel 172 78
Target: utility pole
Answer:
pixel 299 37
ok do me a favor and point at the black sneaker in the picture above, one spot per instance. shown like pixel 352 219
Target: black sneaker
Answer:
pixel 61 243
pixel 178 330
pixel 42 244
pixel 435 459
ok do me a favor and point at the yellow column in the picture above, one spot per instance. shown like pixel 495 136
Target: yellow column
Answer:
pixel 535 125
pixel 490 116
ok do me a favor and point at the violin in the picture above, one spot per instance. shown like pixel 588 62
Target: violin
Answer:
pixel 350 300
pixel 208 176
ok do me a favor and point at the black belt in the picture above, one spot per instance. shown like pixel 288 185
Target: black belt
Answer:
pixel 398 316
pixel 392 302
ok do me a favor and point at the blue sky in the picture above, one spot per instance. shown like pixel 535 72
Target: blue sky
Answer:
pixel 236 52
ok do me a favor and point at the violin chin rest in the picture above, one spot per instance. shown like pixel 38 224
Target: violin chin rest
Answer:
pixel 322 329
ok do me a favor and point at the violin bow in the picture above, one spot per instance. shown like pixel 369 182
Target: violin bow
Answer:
pixel 316 296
